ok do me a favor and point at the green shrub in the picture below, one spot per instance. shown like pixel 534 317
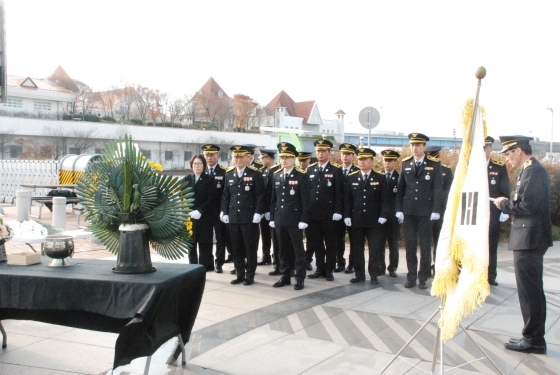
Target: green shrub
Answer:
pixel 108 119
pixel 91 118
pixel 136 121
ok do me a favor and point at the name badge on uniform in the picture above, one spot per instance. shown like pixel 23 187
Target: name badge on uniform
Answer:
pixel 311 176
pixel 355 183
pixel 247 188
pixel 328 175
pixel 408 169
pixel 374 183
pixel 247 178
pixel 293 182
pixel 277 183
pixel 493 182
pixel 428 177
pixel 218 178
pixel 429 168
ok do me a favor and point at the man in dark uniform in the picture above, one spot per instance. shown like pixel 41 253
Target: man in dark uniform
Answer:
pixel 365 210
pixel 289 210
pixel 211 154
pixel 391 229
pixel 252 161
pixel 304 159
pixel 498 186
pixel 447 180
pixel 347 154
pixel 419 201
pixel 326 199
pixel 242 207
pixel 267 234
pixel 530 237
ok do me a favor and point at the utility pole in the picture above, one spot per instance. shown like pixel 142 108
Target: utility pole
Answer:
pixel 3 69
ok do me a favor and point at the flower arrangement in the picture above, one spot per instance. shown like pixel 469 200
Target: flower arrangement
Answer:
pixel 27 229
pixel 122 187
pixel 6 231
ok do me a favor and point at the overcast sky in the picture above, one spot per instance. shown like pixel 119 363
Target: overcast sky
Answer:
pixel 412 60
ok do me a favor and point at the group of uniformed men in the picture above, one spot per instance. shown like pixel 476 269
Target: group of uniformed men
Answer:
pixel 326 201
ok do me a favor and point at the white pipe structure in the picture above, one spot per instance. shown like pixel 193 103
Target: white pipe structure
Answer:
pixel 59 212
pixel 23 204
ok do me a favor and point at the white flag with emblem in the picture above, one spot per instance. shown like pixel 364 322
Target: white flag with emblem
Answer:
pixel 461 263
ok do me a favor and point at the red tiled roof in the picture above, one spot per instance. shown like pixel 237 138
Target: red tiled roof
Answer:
pixel 303 109
pixel 212 88
pixel 300 109
pixel 340 112
pixel 42 84
pixel 60 74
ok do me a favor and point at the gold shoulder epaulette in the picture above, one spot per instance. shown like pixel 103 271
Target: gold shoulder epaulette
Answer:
pixel 252 168
pixel 230 169
pixel 224 168
pixel 446 166
pixel 432 158
pixel 381 173
pixel 312 165
pixel 528 163
pixel 278 171
pixel 353 173
pixel 300 170
pixel 336 165
pixel 497 162
pixel 407 158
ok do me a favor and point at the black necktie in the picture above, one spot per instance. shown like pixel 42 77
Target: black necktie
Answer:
pixel 388 176
pixel 211 171
pixel 345 171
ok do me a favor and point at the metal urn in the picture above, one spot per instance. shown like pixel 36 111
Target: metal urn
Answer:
pixel 59 248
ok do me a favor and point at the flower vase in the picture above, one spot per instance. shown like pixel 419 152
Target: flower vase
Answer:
pixel 2 253
pixel 134 250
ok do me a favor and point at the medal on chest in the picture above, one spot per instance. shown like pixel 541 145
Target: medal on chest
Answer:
pixel 292 192
pixel 493 182
pixel 219 185
pixel 247 188
pixel 329 183
pixel 428 177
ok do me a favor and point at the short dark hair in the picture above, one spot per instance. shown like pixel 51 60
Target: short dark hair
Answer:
pixel 527 149
pixel 202 159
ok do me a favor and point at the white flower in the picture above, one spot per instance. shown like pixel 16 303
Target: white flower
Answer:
pixel 28 229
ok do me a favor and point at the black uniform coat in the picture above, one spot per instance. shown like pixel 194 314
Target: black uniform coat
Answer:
pixel 327 191
pixel 420 192
pixel 447 180
pixel 204 198
pixel 365 201
pixel 289 204
pixel 392 194
pixel 243 197
pixel 530 209
pixel 267 175
pixel 219 183
pixel 498 185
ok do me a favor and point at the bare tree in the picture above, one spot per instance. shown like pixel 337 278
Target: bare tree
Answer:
pixel 85 98
pixel 108 99
pixel 257 118
pixel 6 137
pixel 176 109
pixel 191 110
pixel 127 100
pixel 243 106
pixel 57 140
pixel 83 140
pixel 142 101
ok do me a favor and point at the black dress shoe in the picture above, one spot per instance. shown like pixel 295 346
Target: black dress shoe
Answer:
pixel 299 284
pixel 274 272
pixel 350 269
pixel 392 274
pixel 265 260
pixel 409 284
pixel 228 260
pixel 357 279
pixel 309 267
pixel 515 340
pixel 219 269
pixel 248 281
pixel 238 280
pixel 329 276
pixel 339 268
pixel 374 280
pixel 282 282
pixel 316 275
pixel 524 347
pixel 423 285
pixel 232 272
pixel 493 282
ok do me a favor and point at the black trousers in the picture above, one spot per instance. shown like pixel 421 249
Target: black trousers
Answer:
pixel 493 240
pixel 322 236
pixel 223 240
pixel 201 253
pixel 529 279
pixel 266 236
pixel 390 235
pixel 373 237
pixel 417 228
pixel 309 252
pixel 340 244
pixel 292 253
pixel 244 244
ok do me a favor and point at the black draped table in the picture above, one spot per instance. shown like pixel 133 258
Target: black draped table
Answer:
pixel 145 310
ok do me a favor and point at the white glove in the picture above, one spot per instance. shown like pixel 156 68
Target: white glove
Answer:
pixel 267 216
pixel 271 224
pixel 195 214
pixel 221 215
pixel 434 216
pixel 503 217
pixel 257 218
pixel 400 216
pixel 348 222
pixel 225 219
pixel 302 225
pixel 381 220
pixel 336 217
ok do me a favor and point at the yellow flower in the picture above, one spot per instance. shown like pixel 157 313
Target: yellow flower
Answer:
pixel 155 166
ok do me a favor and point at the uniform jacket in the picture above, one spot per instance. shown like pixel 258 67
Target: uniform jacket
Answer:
pixel 365 201
pixel 267 175
pixel 327 191
pixel 289 204
pixel 219 183
pixel 420 192
pixel 447 180
pixel 204 197
pixel 498 185
pixel 392 194
pixel 243 197
pixel 531 227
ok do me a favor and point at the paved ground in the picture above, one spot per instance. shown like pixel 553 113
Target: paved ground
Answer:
pixel 328 328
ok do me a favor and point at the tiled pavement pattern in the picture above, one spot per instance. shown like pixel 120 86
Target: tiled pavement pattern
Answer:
pixel 328 328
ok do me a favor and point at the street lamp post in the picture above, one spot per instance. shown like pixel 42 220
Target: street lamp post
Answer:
pixel 551 126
